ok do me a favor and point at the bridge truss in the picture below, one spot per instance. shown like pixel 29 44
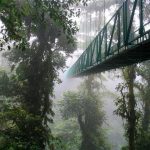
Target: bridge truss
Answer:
pixel 124 40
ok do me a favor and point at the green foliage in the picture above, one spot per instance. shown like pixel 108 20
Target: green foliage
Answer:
pixel 143 86
pixel 76 104
pixel 141 114
pixel 125 148
pixel 35 65
pixel 21 129
pixel 126 105
pixel 85 107
pixel 69 133
pixel 56 143
pixel 143 139
pixel 72 104
pixel 20 17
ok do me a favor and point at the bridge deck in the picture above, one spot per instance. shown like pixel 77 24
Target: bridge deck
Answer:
pixel 126 57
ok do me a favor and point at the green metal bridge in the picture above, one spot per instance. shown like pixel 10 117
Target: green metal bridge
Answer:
pixel 123 41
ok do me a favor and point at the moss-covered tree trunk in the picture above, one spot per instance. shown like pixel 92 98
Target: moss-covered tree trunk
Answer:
pixel 146 118
pixel 143 70
pixel 131 105
pixel 126 104
pixel 146 101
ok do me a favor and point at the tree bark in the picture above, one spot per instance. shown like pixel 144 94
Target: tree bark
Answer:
pixel 146 118
pixel 131 104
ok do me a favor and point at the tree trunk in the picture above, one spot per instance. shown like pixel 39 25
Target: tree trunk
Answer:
pixel 146 118
pixel 131 104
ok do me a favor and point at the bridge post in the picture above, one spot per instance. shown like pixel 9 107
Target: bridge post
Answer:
pixel 141 17
pixel 125 22
pixel 105 42
pixel 119 34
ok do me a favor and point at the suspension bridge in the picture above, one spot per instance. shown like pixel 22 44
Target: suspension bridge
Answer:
pixel 124 40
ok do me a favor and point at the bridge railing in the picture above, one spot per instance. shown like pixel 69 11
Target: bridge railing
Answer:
pixel 129 26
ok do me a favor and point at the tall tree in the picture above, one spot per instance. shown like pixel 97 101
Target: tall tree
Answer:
pixel 85 106
pixel 143 70
pixel 126 104
pixel 46 42
pixel 143 86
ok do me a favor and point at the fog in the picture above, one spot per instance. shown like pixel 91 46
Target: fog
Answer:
pixel 91 21
pixel 107 110
pixel 113 124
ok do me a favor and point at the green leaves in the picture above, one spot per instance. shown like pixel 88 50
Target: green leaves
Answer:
pixel 84 105
pixel 20 127
pixel 72 105
pixel 36 33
